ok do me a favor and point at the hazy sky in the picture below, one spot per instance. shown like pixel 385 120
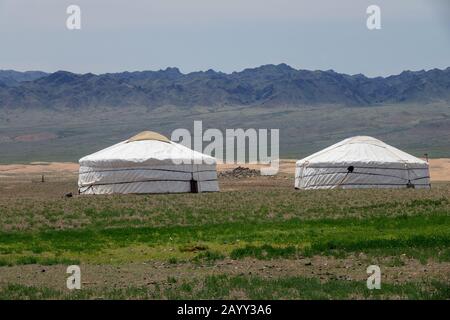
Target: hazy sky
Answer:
pixel 225 35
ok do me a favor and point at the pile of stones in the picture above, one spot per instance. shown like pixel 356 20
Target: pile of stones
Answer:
pixel 239 172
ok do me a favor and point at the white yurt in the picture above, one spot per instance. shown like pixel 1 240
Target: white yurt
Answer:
pixel 361 162
pixel 147 163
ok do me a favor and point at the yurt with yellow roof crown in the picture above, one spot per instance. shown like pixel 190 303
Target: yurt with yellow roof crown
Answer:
pixel 147 163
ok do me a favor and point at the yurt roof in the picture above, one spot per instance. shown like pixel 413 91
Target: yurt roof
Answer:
pixel 148 135
pixel 143 148
pixel 362 149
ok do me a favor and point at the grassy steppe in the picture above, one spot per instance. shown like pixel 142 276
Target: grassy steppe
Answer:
pixel 418 237
pixel 270 222
pixel 71 134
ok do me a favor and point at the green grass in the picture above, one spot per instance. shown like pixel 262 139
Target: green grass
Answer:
pixel 264 252
pixel 283 239
pixel 40 210
pixel 242 287
pixel 208 256
pixel 47 261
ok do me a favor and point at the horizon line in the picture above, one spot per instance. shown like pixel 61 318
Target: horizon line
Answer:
pixel 225 73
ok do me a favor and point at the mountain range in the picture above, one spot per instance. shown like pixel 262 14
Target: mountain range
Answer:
pixel 268 85
pixel 63 116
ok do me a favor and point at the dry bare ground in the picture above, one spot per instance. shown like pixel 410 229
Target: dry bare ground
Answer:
pixel 157 272
pixel 439 168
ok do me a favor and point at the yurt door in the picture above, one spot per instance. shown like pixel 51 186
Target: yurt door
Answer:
pixel 194 186
pixel 194 180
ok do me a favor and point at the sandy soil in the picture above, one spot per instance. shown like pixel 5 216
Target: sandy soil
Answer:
pixel 39 167
pixel 439 168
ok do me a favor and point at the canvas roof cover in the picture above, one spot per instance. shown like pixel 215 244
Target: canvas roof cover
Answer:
pixel 362 149
pixel 144 151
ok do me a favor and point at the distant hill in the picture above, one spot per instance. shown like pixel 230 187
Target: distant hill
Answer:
pixel 269 85
pixel 62 116
pixel 13 78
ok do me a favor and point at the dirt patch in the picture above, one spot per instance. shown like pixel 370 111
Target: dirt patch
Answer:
pixel 440 169
pixel 39 167
pixel 156 272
